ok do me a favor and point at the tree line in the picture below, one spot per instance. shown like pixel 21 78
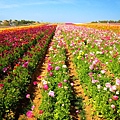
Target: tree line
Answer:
pixel 106 21
pixel 16 22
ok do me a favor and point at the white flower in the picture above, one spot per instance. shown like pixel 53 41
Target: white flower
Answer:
pixel 44 81
pixel 64 66
pixel 103 71
pixel 105 88
pixel 117 92
pixel 98 86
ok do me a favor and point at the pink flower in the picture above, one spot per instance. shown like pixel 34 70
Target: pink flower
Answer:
pixel 90 74
pixel 32 108
pixel 45 87
pixel 51 74
pixel 117 81
pixel 28 96
pixel 108 85
pixel 60 85
pixel 57 68
pixel 51 93
pixel 115 97
pixel 29 114
pixel 4 69
pixel 25 64
pixel 94 81
pixel 113 106
pixel 49 67
pixel 35 83
pixel 95 61
pixel 91 67
pixel 113 88
pixel 39 77
pixel 65 80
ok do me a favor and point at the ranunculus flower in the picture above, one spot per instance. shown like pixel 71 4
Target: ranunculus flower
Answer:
pixel 77 111
pixel 39 77
pixel 72 84
pixel 65 80
pixel 51 93
pixel 29 114
pixel 117 81
pixel 64 66
pixel 49 67
pixel 35 83
pixel 108 85
pixel 4 69
pixel 103 71
pixel 45 87
pixel 32 108
pixel 113 106
pixel 94 81
pixel 110 100
pixel 60 85
pixel 25 64
pixel 90 74
pixel 91 67
pixel 113 88
pixel 51 74
pixel 1 86
pixel 57 68
pixel 41 112
pixel 28 96
pixel 115 97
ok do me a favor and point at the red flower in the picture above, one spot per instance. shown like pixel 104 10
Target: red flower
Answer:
pixel 115 97
pixel 1 86
pixel 60 85
pixel 41 112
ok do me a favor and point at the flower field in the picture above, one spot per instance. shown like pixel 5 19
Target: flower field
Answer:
pixel 82 62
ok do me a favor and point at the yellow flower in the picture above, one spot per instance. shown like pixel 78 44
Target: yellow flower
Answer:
pixel 79 57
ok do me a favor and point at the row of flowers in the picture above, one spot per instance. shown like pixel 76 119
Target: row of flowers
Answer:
pixel 96 55
pixel 15 85
pixel 56 87
pixel 104 27
pixel 15 43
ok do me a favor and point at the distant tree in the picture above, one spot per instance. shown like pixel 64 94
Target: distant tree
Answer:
pixel 0 22
pixel 15 23
pixel 6 23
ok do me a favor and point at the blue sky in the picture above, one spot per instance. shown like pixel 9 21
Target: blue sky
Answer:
pixel 76 11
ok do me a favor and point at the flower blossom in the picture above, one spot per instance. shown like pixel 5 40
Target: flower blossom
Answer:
pixel 51 93
pixel 1 86
pixel 57 68
pixel 60 85
pixel 29 114
pixel 25 64
pixel 28 96
pixel 117 81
